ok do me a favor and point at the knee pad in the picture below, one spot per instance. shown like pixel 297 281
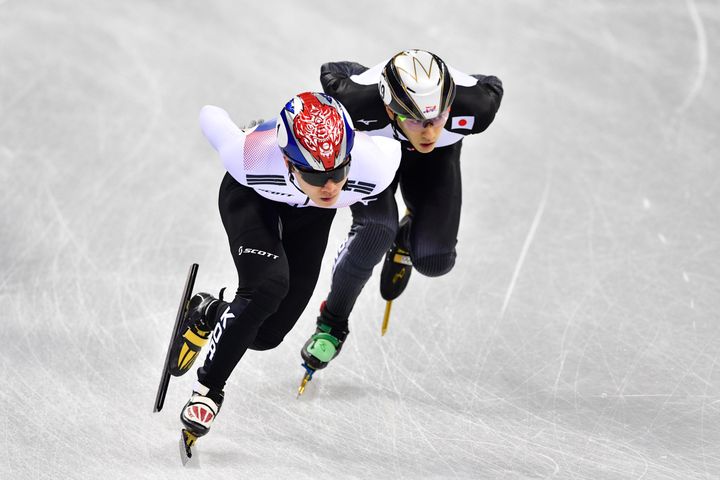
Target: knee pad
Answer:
pixel 266 298
pixel 267 342
pixel 435 265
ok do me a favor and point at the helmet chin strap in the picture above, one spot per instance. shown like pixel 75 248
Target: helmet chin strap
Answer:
pixel 397 131
pixel 395 128
pixel 293 181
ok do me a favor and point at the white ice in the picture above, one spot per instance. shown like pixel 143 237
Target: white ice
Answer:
pixel 577 337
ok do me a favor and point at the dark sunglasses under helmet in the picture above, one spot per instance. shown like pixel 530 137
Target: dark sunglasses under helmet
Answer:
pixel 318 178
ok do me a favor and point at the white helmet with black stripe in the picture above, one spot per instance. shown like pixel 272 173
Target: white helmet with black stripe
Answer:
pixel 417 84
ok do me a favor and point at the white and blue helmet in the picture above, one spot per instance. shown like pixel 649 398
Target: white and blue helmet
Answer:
pixel 315 131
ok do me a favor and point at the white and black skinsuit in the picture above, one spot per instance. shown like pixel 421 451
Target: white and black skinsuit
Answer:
pixel 277 235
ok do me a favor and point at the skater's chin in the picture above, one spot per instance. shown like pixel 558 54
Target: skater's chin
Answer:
pixel 327 201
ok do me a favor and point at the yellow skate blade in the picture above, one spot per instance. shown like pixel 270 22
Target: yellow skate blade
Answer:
pixel 386 318
pixel 188 453
pixel 303 384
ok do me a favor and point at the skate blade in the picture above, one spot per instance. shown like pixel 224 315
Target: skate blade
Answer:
pixel 188 451
pixel 306 378
pixel 182 309
pixel 386 318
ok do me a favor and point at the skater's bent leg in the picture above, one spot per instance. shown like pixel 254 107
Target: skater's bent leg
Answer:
pixel 273 330
pixel 432 189
pixel 305 236
pixel 435 265
pixel 252 225
pixel 371 235
pixel 236 329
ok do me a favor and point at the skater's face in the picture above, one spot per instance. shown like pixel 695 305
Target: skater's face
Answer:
pixel 325 195
pixel 423 135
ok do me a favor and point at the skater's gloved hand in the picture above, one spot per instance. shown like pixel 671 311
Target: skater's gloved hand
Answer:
pixel 252 123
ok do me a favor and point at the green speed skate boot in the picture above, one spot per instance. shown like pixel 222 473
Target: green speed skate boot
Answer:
pixel 324 345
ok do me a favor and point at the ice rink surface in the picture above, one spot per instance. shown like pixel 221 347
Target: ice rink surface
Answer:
pixel 577 337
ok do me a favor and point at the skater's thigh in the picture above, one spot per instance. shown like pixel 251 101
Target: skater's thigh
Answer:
pixel 305 237
pixel 252 226
pixel 380 209
pixel 432 189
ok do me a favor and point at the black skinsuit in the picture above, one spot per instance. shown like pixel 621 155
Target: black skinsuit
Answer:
pixel 430 183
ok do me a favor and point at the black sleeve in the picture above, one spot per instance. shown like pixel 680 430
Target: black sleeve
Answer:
pixel 480 101
pixel 361 101
pixel 332 73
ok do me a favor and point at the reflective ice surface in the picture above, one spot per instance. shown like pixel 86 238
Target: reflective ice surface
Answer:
pixel 577 337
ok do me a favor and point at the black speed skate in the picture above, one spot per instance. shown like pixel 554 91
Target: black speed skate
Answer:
pixel 397 266
pixel 396 269
pixel 323 345
pixel 197 325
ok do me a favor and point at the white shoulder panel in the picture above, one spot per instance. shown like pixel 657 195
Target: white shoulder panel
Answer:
pixel 461 79
pixel 371 75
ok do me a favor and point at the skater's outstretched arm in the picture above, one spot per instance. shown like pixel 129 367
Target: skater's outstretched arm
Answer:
pixel 226 138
